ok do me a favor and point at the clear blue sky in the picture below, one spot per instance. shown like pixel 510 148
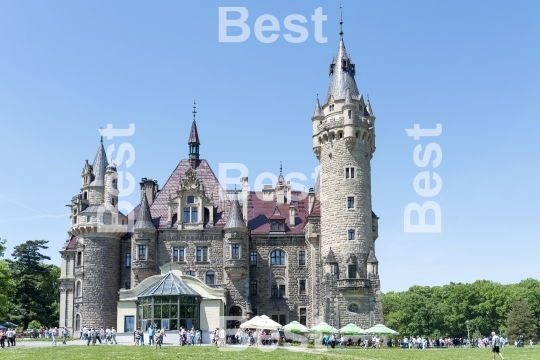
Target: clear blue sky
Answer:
pixel 67 68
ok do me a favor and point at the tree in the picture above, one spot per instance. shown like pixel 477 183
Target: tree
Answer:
pixel 520 320
pixel 2 247
pixel 7 287
pixel 30 301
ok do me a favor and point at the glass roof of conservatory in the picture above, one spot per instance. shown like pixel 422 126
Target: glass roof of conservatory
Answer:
pixel 169 285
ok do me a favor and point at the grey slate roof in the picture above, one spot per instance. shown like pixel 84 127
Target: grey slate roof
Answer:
pixel 348 98
pixel 371 257
pixel 330 258
pixel 194 134
pixel 235 219
pixel 368 108
pixel 169 285
pixel 318 110
pixel 342 79
pixel 100 166
pixel 100 209
pixel 144 218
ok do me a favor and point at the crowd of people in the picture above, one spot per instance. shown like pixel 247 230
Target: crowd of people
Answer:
pixel 250 337
pixel 101 335
pixel 8 336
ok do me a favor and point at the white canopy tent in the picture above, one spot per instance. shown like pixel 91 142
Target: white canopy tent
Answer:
pixel 261 322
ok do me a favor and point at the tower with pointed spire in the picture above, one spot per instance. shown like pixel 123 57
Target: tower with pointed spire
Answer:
pixel 344 143
pixel 193 141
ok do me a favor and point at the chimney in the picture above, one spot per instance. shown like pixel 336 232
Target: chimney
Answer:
pixel 311 200
pixel 150 188
pixel 245 193
pixel 292 215
pixel 289 196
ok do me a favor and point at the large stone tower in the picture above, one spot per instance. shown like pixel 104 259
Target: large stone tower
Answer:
pixel 90 259
pixel 344 143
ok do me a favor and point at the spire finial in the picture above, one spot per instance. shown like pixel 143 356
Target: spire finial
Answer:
pixel 280 169
pixel 101 133
pixel 194 109
pixel 341 21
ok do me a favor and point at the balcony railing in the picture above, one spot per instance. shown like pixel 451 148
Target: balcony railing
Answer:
pixel 351 284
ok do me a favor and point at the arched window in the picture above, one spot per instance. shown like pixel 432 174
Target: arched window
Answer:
pixel 351 234
pixel 85 195
pixel 210 277
pixel 277 257
pixel 77 322
pixel 235 311
pixel 79 289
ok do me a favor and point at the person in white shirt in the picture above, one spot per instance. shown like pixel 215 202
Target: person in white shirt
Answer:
pixel 495 343
pixel 55 336
pixel 222 339
pixel 108 336
pixel 113 335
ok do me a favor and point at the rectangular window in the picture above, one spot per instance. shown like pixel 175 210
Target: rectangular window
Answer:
pixel 186 215
pixel 181 253
pixel 194 214
pixel 253 258
pixel 352 271
pixel 350 202
pixel 346 173
pixel 202 253
pixel 175 254
pixel 235 251
pixel 142 252
pixel 302 287
pixel 274 291
pixel 128 260
pixel 253 288
pixel 129 323
pixel 275 318
pixel 303 316
pixel 191 199
pixel 88 219
pixel 281 290
pixel 79 258
pixel 282 319
pixel 127 285
pixel 301 258
pixel 352 173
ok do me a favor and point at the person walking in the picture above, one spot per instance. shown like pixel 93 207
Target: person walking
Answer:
pixel 64 335
pixel 496 342
pixel 108 336
pixel 113 335
pixel 55 336
pixel 137 336
pixel 198 337
pixel 2 338
pixel 151 334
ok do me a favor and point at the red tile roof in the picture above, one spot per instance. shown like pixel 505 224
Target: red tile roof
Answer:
pixel 159 208
pixel 259 212
pixel 72 243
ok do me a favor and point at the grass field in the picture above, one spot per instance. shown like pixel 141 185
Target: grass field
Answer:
pixel 205 352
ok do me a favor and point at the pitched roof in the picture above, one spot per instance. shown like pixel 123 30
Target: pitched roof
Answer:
pixel 212 188
pixel 144 217
pixel 72 243
pixel 277 215
pixel 318 110
pixel 169 285
pixel 194 134
pixel 368 108
pixel 260 212
pixel 342 78
pixel 99 166
pixel 330 258
pixel 371 257
pixel 235 220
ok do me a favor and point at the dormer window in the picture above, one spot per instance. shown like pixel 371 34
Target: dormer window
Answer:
pixel 331 107
pixel 191 199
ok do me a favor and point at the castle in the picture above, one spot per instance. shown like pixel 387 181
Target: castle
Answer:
pixel 191 253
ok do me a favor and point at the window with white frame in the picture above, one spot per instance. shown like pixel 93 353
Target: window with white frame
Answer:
pixel 235 251
pixel 202 253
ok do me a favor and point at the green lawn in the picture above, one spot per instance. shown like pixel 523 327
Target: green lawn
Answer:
pixel 201 353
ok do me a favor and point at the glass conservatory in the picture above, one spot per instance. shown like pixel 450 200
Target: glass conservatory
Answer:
pixel 170 304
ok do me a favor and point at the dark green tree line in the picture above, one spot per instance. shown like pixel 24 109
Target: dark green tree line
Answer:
pixel 444 310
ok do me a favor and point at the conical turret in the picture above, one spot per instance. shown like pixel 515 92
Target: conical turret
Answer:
pixel 318 113
pixel 100 166
pixel 342 70
pixel 144 218
pixel 235 219
pixel 193 141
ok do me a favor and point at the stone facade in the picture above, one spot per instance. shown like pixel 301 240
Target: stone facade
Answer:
pixel 291 255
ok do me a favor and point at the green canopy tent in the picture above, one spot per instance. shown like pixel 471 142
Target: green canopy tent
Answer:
pixel 351 329
pixel 323 328
pixel 295 327
pixel 380 329
pixel 9 325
